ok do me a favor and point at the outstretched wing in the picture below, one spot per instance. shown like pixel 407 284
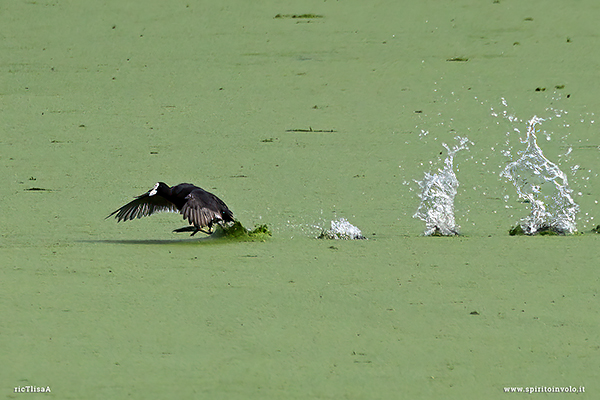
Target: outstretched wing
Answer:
pixel 143 206
pixel 201 213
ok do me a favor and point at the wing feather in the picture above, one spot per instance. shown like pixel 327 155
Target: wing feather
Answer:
pixel 143 206
pixel 198 213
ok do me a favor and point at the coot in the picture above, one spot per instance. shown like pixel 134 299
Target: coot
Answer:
pixel 201 208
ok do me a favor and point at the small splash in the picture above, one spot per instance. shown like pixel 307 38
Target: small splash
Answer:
pixel 437 195
pixel 544 186
pixel 341 229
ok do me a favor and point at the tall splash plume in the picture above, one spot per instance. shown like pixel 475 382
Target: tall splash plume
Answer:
pixel 544 186
pixel 437 195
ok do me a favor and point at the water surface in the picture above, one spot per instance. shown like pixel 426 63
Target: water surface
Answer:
pixel 102 100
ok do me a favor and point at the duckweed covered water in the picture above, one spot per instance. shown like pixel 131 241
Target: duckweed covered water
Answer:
pixel 101 98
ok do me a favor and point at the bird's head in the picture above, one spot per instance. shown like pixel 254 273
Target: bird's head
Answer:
pixel 157 187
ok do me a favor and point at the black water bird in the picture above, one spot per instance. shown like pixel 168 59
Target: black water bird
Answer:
pixel 202 209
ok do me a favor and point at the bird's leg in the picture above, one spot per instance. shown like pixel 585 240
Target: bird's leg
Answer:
pixel 186 229
pixel 202 230
pixel 194 230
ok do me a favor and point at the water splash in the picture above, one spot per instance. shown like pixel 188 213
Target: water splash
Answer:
pixel 341 229
pixel 437 195
pixel 544 186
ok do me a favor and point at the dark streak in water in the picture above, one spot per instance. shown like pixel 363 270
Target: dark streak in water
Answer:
pixel 311 130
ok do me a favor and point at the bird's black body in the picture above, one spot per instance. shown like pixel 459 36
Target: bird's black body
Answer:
pixel 201 208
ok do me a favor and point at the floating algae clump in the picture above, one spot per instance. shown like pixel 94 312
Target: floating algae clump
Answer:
pixel 237 231
pixel 545 231
pixel 341 229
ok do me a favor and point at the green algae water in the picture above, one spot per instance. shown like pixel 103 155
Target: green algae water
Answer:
pixel 298 115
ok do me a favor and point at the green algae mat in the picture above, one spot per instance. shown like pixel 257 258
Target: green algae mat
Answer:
pixel 296 114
